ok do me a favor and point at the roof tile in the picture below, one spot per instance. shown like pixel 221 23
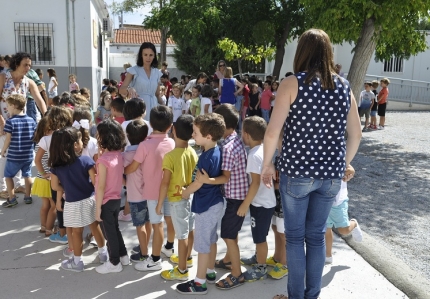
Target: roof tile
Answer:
pixel 139 36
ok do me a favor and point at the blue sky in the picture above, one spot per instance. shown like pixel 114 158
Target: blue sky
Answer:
pixel 131 18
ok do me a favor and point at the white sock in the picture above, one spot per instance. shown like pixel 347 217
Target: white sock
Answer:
pixel 209 271
pixel 200 281
pixel 102 249
pixel 77 259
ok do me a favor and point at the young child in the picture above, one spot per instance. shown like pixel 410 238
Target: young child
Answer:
pixel 116 108
pixel 205 101
pixel 178 167
pixel 113 90
pixel 275 85
pixel 19 129
pixel 75 174
pixel 208 202
pixel 187 99
pixel 260 200
pixel 149 155
pixel 106 84
pixel 167 84
pixel 58 117
pixel 42 185
pixel 103 110
pixel 176 103
pixel 254 101
pixel 73 84
pixel 163 94
pixel 374 109
pixel 235 182
pixel 195 106
pixel 382 102
pixel 365 104
pixel 110 167
pixel 82 122
pixel 338 218
pixel 137 130
pixel 266 97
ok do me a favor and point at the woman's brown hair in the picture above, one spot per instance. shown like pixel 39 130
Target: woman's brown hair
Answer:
pixel 41 129
pixel 60 117
pixel 314 55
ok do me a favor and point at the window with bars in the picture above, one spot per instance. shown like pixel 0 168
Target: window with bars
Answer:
pixel 37 40
pixel 393 65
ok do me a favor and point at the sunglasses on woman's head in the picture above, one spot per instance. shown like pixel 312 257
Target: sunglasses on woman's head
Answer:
pixel 222 65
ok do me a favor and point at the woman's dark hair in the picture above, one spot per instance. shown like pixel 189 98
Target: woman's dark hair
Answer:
pixel 314 55
pixel 17 58
pixel 41 129
pixel 206 91
pixel 51 73
pixel 110 135
pixel 63 153
pixel 198 87
pixel 134 108
pixel 151 46
pixel 80 113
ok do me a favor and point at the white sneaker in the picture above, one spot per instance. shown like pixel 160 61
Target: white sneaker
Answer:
pixel 356 233
pixel 148 265
pixel 125 260
pixel 167 252
pixel 122 217
pixel 381 127
pixel 328 260
pixel 108 267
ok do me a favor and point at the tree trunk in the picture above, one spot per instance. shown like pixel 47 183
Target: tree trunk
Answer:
pixel 363 52
pixel 239 65
pixel 163 45
pixel 280 51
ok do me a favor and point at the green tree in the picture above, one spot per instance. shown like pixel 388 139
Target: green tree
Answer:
pixel 386 27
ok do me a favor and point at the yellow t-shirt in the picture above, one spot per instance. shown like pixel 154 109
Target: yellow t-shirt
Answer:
pixel 181 163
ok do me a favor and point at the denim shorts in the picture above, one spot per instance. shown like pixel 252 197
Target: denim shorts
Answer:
pixel 139 213
pixel 373 112
pixel 12 168
pixel 182 218
pixel 338 216
pixel 152 206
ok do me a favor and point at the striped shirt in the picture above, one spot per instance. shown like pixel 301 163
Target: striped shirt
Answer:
pixel 21 127
pixel 234 160
pixel 45 166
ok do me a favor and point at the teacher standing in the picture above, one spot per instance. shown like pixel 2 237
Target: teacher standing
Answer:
pixel 144 78
pixel 315 107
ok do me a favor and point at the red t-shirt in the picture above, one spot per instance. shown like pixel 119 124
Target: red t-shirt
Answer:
pixel 168 86
pixel 245 92
pixel 383 95
pixel 265 99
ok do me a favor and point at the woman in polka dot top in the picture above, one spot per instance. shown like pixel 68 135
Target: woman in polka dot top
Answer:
pixel 315 107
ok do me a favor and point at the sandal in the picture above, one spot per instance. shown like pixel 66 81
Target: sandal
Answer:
pixel 48 232
pixel 42 229
pixel 220 264
pixel 235 282
pixel 281 296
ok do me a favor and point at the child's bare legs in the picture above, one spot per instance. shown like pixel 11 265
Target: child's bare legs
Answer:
pixel 382 120
pixel 347 230
pixel 328 242
pixel 373 120
pixel 234 256
pixel 143 239
pixel 157 239
pixel 170 230
pixel 190 243
pixel 47 215
pixel 148 229
pixel 226 259
pixel 10 187
pixel 280 254
pixel 28 183
pixel 206 261
pixel 182 254
pixel 69 232
pixel 76 240
pixel 366 123
pixel 97 233
pixel 261 252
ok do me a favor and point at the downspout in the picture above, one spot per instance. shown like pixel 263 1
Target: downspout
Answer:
pixel 74 36
pixel 69 58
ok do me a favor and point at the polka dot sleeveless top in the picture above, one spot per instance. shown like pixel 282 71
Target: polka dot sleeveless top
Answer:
pixel 313 144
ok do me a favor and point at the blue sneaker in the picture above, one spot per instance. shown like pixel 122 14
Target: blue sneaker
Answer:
pixel 57 238
pixel 28 200
pixel 71 266
pixel 255 273
pixel 10 203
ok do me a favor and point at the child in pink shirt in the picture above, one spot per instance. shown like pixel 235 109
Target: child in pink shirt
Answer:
pixel 149 157
pixel 265 98
pixel 110 167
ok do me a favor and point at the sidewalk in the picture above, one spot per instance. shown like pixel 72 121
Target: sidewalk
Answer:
pixel 29 268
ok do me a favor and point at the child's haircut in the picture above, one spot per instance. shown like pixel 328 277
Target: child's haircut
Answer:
pixel 162 88
pixel 254 85
pixel 63 153
pixel 385 80
pixel 375 84
pixel 164 63
pixel 118 104
pixel 106 81
pixel 134 108
pixel 161 118
pixel 211 124
pixel 174 80
pixel 103 95
pixel 137 131
pixel 113 82
pixel 80 113
pixel 112 89
pixel 268 82
pixel 206 91
pixel 255 126
pixel 198 87
pixel 176 85
pixel 110 135
pixel 18 100
pixel 230 115
pixel 85 91
pixel 187 92
pixel 41 129
pixel 66 98
pixel 165 76
pixel 184 127
pixel 59 117
pixel 56 101
pixel 75 92
pixel 80 100
pixel 72 76
pixel 367 83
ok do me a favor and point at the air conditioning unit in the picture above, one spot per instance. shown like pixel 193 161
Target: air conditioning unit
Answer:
pixel 107 25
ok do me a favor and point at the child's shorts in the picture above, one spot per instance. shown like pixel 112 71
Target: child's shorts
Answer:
pixel 182 218
pixel 338 216
pixel 373 112
pixel 12 168
pixel 261 218
pixel 365 112
pixel 279 223
pixel 381 109
pixel 41 188
pixel 152 206
pixel 231 223
pixel 205 232
pixel 79 213
pixel 139 212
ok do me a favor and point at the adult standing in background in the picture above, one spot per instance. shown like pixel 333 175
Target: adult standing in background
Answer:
pixel 164 70
pixel 144 78
pixel 316 107
pixel 201 79
pixel 220 68
pixel 227 87
pixel 124 73
pixel 52 86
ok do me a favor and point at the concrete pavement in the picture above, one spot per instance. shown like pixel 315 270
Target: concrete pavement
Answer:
pixel 29 268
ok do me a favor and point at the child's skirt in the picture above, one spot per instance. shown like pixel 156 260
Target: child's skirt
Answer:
pixel 79 213
pixel 41 188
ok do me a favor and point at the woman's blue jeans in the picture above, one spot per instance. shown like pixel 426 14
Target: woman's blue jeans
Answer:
pixel 306 204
